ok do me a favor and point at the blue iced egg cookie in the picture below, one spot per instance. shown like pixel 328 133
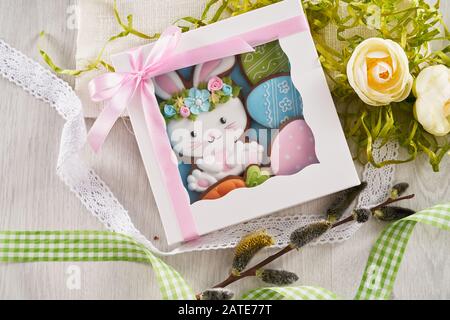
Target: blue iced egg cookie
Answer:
pixel 275 101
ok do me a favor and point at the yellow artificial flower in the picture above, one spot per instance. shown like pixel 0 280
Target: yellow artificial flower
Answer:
pixel 378 71
pixel 432 107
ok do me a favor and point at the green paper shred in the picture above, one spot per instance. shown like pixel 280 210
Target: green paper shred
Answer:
pixel 49 61
pixel 414 24
pixel 99 63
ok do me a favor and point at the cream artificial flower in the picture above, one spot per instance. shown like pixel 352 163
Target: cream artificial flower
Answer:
pixel 378 71
pixel 432 107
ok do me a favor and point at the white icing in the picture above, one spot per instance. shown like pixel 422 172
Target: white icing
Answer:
pixel 283 87
pixel 208 130
pixel 212 141
pixel 215 146
pixel 225 65
pixel 286 104
pixel 177 83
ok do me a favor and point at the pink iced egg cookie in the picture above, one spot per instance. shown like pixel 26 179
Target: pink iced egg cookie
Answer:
pixel 293 149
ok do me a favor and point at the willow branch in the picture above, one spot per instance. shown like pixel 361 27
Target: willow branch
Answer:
pixel 251 272
pixel 390 201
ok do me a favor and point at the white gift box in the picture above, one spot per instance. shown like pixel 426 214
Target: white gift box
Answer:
pixel 335 170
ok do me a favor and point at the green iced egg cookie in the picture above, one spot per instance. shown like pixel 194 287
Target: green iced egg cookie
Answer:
pixel 266 60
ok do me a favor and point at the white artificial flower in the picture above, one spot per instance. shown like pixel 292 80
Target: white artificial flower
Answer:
pixel 432 107
pixel 378 71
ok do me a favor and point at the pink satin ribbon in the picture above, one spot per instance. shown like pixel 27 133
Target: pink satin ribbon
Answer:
pixel 119 88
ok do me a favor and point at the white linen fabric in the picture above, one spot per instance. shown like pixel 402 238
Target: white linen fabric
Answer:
pixel 96 24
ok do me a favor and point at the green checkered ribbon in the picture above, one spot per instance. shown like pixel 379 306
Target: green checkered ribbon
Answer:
pixel 40 246
pixel 387 254
pixel 377 282
pixel 290 293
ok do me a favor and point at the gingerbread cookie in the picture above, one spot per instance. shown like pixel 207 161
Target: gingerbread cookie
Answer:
pixel 275 101
pixel 266 60
pixel 205 123
pixel 293 149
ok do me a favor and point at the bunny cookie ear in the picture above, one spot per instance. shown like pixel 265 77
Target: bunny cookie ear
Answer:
pixel 168 84
pixel 203 72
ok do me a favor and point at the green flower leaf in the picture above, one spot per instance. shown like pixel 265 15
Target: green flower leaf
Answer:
pixel 254 176
pixel 236 91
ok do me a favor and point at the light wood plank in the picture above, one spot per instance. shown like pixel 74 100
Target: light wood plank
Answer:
pixel 32 197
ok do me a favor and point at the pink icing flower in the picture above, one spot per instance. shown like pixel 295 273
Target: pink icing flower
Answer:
pixel 185 112
pixel 215 84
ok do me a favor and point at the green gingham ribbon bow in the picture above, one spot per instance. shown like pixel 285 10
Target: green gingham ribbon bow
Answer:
pixel 377 282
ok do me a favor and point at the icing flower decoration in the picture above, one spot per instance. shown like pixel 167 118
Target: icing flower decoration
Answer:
pixel 378 71
pixel 198 101
pixel 169 111
pixel 185 112
pixel 189 103
pixel 432 107
pixel 179 102
pixel 227 90
pixel 215 84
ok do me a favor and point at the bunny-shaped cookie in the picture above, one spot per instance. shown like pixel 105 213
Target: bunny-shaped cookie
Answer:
pixel 213 141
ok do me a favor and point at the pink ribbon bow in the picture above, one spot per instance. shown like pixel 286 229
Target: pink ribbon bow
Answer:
pixel 120 88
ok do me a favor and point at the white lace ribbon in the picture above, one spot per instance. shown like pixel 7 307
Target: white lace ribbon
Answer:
pixel 98 198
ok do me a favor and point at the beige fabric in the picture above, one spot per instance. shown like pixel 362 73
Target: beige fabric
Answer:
pixel 97 24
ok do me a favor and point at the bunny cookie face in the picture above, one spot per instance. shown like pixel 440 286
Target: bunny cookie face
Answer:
pixel 211 131
pixel 220 116
pixel 206 123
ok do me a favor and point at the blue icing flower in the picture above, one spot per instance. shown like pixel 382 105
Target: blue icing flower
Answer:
pixel 198 101
pixel 169 110
pixel 227 89
pixel 194 110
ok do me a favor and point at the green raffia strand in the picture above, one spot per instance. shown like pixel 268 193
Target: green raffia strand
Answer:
pixel 94 65
pixel 377 281
pixel 53 66
pixel 128 28
pixel 414 26
pixel 99 62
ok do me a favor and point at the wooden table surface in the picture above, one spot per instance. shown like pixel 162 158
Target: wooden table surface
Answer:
pixel 33 198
